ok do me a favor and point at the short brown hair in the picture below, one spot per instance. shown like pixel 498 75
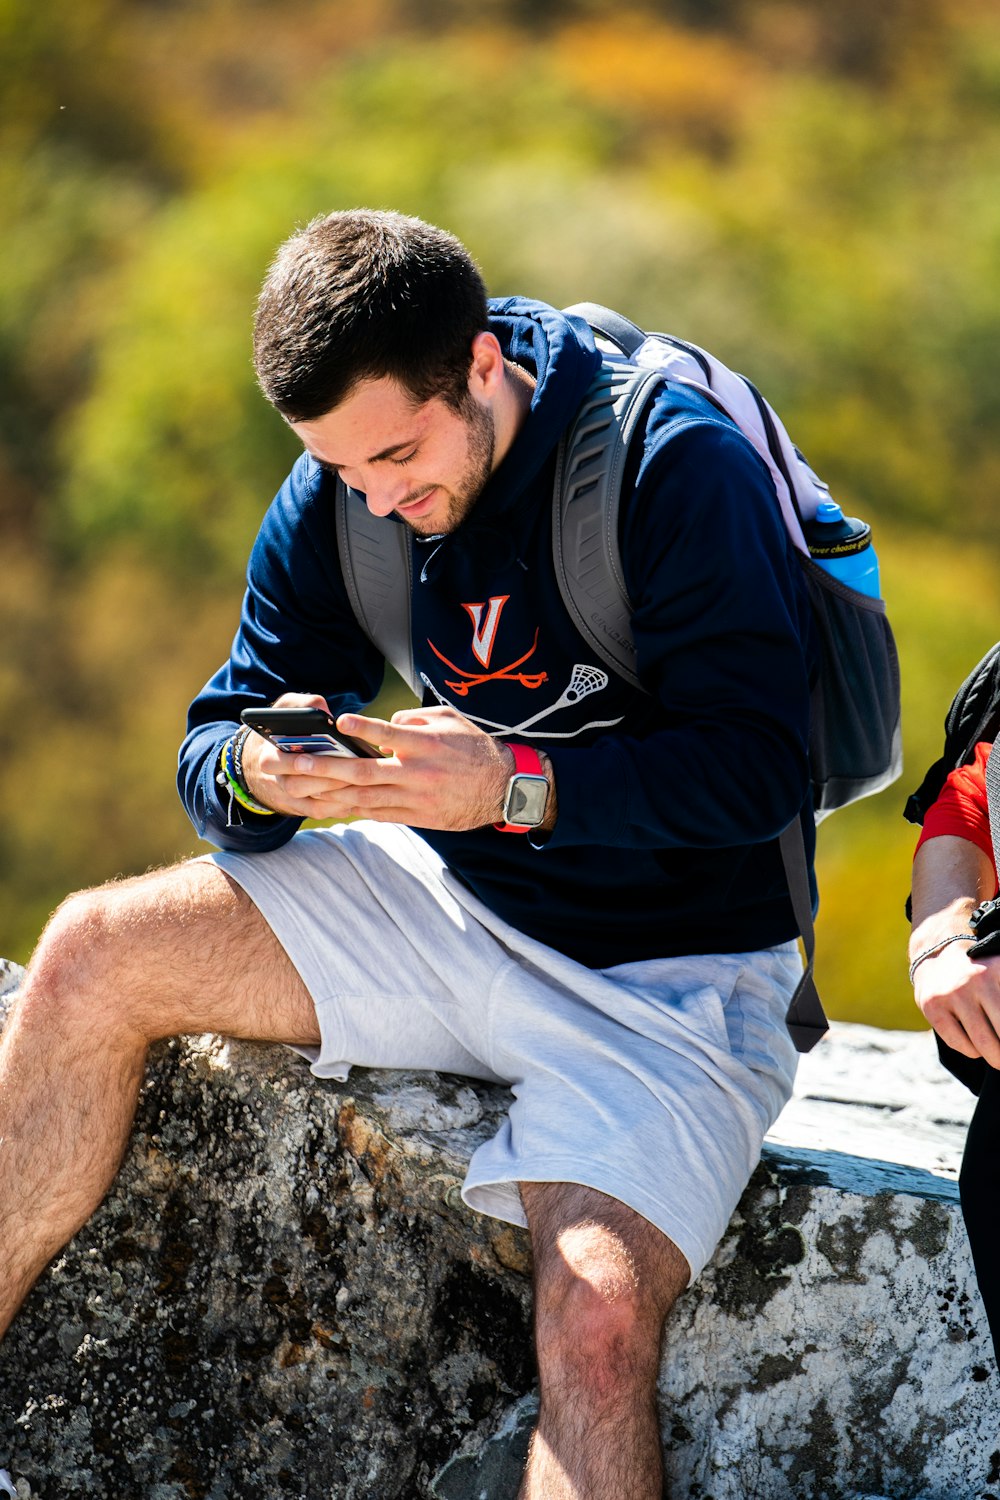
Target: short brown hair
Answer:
pixel 360 295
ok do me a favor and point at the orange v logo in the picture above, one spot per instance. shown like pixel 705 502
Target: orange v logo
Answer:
pixel 484 627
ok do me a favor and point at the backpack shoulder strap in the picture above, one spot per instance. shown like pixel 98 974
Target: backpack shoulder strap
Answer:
pixel 610 325
pixel 805 1017
pixel 585 506
pixel 376 564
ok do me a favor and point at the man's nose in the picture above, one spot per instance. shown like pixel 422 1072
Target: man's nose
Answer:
pixel 379 499
pixel 384 492
pixel 377 493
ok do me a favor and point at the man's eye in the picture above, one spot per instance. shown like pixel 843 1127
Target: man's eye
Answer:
pixel 402 462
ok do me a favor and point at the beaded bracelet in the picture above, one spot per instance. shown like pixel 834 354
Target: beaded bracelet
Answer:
pixel 956 937
pixel 228 774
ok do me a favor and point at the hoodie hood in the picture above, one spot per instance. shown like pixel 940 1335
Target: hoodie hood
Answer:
pixel 560 353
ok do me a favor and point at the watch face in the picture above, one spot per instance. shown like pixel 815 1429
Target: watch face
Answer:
pixel 526 799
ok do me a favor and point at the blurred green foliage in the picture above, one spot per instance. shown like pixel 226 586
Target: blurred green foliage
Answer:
pixel 807 190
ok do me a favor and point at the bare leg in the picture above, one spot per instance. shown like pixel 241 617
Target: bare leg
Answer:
pixel 180 951
pixel 605 1279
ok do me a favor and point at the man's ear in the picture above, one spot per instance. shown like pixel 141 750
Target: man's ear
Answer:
pixel 486 374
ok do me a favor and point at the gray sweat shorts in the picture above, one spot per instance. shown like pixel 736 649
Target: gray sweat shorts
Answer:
pixel 654 1082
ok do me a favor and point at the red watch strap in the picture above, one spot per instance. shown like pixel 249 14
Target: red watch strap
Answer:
pixel 527 762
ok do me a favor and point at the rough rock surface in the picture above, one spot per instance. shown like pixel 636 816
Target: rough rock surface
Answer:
pixel 283 1295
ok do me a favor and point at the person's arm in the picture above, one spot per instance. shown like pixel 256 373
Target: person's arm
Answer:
pixel 952 874
pixel 297 634
pixel 297 630
pixel 439 770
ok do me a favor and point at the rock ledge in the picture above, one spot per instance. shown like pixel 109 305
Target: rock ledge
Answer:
pixel 284 1295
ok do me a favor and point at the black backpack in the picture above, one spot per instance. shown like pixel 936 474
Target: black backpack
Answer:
pixel 972 719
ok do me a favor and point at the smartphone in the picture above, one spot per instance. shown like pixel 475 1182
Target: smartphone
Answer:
pixel 310 730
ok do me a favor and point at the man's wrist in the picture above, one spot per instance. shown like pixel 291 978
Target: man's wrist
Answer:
pixel 932 949
pixel 528 803
pixel 244 757
pixel 232 776
pixel 507 767
pixel 549 821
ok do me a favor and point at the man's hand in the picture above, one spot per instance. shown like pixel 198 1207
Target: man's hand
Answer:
pixel 958 995
pixel 438 771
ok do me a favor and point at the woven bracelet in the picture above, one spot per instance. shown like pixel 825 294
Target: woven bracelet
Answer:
pixel 956 937
pixel 229 774
pixel 238 741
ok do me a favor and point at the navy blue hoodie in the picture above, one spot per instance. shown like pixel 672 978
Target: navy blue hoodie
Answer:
pixel 669 801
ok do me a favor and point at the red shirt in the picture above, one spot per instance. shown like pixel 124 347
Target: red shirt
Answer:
pixel 962 809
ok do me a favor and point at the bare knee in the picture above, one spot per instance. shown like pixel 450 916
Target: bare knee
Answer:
pixel 79 976
pixel 158 956
pixel 598 1328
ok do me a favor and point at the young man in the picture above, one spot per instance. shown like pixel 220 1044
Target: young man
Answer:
pixel 622 957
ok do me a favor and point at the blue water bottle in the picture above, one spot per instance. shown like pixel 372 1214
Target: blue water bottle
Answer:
pixel 843 546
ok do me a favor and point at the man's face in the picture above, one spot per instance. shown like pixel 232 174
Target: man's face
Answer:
pixel 425 461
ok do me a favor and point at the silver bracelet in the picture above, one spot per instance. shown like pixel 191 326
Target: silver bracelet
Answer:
pixel 956 937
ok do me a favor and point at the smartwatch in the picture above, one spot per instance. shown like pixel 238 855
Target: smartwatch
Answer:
pixel 527 792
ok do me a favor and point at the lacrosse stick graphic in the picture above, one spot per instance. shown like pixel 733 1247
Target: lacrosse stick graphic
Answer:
pixel 585 680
